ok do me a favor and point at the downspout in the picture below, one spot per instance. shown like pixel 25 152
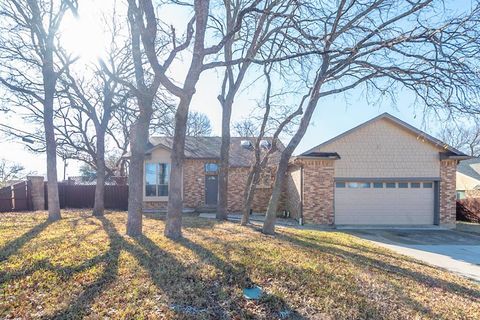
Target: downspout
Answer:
pixel 300 220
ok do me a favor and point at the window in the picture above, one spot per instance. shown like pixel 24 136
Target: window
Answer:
pixel 340 184
pixel 415 185
pixel 460 194
pixel 428 185
pixel 403 185
pixel 211 167
pixel 359 184
pixel 378 185
pixel 157 176
pixel 390 185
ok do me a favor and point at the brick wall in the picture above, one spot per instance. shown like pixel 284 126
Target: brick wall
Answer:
pixel 293 189
pixel 448 170
pixel 194 188
pixel 237 181
pixel 194 183
pixel 318 184
pixel 155 205
pixel 472 193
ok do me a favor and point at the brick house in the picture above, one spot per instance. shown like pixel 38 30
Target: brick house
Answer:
pixel 468 179
pixel 382 172
pixel 200 173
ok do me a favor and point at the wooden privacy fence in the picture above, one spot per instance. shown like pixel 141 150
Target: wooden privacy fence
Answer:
pixel 83 196
pixel 16 197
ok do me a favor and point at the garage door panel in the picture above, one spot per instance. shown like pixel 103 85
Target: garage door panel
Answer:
pixel 382 206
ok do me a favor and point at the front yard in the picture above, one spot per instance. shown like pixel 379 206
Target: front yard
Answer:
pixel 86 266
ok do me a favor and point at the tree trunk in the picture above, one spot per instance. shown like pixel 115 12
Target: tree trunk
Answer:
pixel 138 143
pixel 271 215
pixel 99 205
pixel 49 82
pixel 222 209
pixel 173 226
pixel 249 194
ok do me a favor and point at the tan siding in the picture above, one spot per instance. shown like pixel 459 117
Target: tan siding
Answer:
pixel 384 149
pixel 465 182
pixel 293 191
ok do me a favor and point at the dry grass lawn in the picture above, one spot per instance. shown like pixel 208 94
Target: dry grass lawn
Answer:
pixel 84 266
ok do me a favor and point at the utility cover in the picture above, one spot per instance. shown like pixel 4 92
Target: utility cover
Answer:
pixel 253 293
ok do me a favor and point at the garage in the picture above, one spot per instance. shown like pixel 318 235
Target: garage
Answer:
pixel 384 202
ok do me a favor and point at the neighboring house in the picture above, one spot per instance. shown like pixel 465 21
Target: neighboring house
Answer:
pixel 468 179
pixel 382 172
pixel 200 173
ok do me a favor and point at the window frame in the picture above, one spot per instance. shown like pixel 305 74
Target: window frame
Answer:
pixel 359 185
pixel 209 171
pixel 162 180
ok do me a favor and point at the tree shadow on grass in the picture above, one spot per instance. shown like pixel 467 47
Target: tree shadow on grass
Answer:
pixel 236 276
pixel 383 266
pixel 15 245
pixel 82 303
pixel 185 293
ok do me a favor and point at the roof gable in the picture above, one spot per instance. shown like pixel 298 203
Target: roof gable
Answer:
pixel 470 168
pixel 416 133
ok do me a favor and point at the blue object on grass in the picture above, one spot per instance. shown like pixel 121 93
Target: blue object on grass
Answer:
pixel 253 293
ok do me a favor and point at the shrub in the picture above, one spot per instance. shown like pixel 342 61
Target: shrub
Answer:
pixel 468 210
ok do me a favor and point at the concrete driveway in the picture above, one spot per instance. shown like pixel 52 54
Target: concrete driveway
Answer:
pixel 456 251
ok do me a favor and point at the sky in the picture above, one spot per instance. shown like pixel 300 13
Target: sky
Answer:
pixel 332 116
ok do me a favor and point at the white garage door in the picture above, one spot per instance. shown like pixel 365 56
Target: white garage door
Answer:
pixel 384 203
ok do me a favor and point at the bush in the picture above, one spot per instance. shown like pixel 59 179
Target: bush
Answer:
pixel 468 210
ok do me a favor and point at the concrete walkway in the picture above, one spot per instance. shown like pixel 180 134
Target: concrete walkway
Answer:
pixel 234 217
pixel 456 251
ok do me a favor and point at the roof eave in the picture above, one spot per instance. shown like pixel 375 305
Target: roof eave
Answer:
pixel 447 156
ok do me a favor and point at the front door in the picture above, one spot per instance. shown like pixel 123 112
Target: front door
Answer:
pixel 211 190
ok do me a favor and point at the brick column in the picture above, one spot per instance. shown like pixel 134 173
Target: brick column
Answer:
pixel 37 190
pixel 448 169
pixel 318 188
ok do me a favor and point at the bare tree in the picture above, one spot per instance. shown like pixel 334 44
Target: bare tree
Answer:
pixel 385 46
pixel 28 51
pixel 262 30
pixel 462 136
pixel 10 171
pixel 198 123
pixel 93 98
pixel 146 22
pixel 281 124
pixel 246 128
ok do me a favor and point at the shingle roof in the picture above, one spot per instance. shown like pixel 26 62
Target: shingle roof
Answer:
pixel 470 167
pixel 209 148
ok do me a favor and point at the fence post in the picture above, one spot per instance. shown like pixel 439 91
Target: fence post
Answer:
pixel 37 192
